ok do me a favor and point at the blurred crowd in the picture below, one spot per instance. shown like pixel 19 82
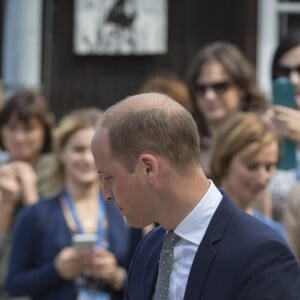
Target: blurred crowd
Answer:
pixel 50 189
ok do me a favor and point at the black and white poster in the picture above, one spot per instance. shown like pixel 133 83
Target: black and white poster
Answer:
pixel 120 27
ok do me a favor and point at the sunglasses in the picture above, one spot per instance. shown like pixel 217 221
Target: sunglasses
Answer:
pixel 285 71
pixel 219 88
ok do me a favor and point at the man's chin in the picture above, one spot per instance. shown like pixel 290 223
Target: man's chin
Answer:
pixel 134 224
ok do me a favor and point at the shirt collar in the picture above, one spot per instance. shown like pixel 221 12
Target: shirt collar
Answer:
pixel 200 215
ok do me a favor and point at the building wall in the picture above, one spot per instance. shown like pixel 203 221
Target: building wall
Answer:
pixel 71 81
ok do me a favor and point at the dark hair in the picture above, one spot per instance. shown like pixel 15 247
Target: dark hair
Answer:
pixel 287 43
pixel 25 105
pixel 238 68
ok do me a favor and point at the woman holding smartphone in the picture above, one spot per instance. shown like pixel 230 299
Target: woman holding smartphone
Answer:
pixel 286 63
pixel 43 263
pixel 286 184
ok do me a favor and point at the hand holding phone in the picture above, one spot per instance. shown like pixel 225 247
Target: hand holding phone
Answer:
pixel 67 263
pixel 84 241
pixel 284 94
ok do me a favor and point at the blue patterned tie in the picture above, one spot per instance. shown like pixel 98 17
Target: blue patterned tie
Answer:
pixel 165 266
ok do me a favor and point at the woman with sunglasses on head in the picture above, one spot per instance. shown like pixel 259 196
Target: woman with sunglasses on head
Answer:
pixel 221 82
pixel 286 63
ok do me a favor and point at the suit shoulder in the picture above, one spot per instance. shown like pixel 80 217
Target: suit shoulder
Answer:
pixel 253 228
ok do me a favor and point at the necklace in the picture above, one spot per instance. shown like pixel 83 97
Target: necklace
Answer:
pixel 101 224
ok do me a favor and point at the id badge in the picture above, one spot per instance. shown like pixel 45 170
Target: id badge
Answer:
pixel 86 294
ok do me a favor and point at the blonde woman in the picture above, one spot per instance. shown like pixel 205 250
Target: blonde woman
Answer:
pixel 244 156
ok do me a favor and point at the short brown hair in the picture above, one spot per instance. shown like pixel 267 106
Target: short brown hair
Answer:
pixel 237 133
pixel 167 130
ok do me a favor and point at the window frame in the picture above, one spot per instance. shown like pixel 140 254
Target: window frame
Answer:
pixel 269 12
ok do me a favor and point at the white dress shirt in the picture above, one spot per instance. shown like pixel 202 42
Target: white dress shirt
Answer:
pixel 191 230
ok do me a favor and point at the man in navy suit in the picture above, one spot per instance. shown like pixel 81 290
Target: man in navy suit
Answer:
pixel 147 150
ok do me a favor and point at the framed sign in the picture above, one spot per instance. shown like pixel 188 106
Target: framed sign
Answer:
pixel 120 27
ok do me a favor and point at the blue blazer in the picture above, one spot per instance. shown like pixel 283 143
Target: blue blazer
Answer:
pixel 40 233
pixel 238 258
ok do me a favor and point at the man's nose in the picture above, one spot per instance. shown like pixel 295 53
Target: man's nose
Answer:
pixel 108 195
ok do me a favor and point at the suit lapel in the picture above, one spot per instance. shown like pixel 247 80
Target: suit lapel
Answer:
pixel 207 250
pixel 200 267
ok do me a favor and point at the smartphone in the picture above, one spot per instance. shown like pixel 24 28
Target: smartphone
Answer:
pixel 84 241
pixel 284 94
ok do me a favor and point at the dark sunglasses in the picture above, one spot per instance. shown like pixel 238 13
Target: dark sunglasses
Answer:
pixel 218 87
pixel 285 71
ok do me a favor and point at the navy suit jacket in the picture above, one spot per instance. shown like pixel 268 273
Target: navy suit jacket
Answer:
pixel 238 258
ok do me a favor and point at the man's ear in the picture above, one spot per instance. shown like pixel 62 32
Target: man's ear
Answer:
pixel 149 165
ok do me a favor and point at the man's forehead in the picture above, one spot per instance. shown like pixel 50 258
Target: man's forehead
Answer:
pixel 99 141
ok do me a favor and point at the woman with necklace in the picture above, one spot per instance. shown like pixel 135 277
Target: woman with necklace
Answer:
pixel 43 263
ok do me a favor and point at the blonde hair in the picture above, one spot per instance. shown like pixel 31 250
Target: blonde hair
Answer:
pixel 237 133
pixel 67 127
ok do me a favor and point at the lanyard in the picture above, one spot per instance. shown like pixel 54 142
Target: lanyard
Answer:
pixel 101 222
